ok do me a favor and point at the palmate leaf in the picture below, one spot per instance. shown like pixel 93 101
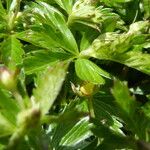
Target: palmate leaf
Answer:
pixel 120 47
pixel 88 71
pixel 12 51
pixel 49 83
pixel 52 30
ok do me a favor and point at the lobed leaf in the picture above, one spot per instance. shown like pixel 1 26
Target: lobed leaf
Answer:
pixel 123 48
pixel 52 30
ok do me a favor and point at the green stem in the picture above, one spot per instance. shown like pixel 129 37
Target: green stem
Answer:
pixel 90 106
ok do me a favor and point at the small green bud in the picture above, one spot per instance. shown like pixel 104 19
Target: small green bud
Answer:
pixel 7 79
pixel 86 89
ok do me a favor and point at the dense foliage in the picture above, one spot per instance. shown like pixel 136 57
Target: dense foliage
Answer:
pixel 75 74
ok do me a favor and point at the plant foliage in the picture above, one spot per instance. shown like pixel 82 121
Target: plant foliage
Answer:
pixel 74 74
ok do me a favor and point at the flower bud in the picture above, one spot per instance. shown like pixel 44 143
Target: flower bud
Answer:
pixel 7 79
pixel 87 89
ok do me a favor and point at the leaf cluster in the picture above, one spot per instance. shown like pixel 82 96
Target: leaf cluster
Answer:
pixel 74 74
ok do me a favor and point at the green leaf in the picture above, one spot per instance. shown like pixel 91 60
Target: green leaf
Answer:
pixel 2 10
pixel 74 115
pixel 72 135
pixel 103 110
pixel 8 107
pixel 138 27
pixel 130 111
pixel 78 132
pixel 134 59
pixel 12 51
pixel 87 39
pixel 110 138
pixel 7 128
pixel 143 124
pixel 40 59
pixel 65 4
pixel 39 38
pixel 53 31
pixel 146 5
pixel 115 1
pixel 123 98
pixel 13 5
pixel 127 108
pixel 49 83
pixel 9 3
pixel 84 12
pixel 146 109
pixel 137 60
pixel 121 48
pixel 88 71
pixel 121 1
